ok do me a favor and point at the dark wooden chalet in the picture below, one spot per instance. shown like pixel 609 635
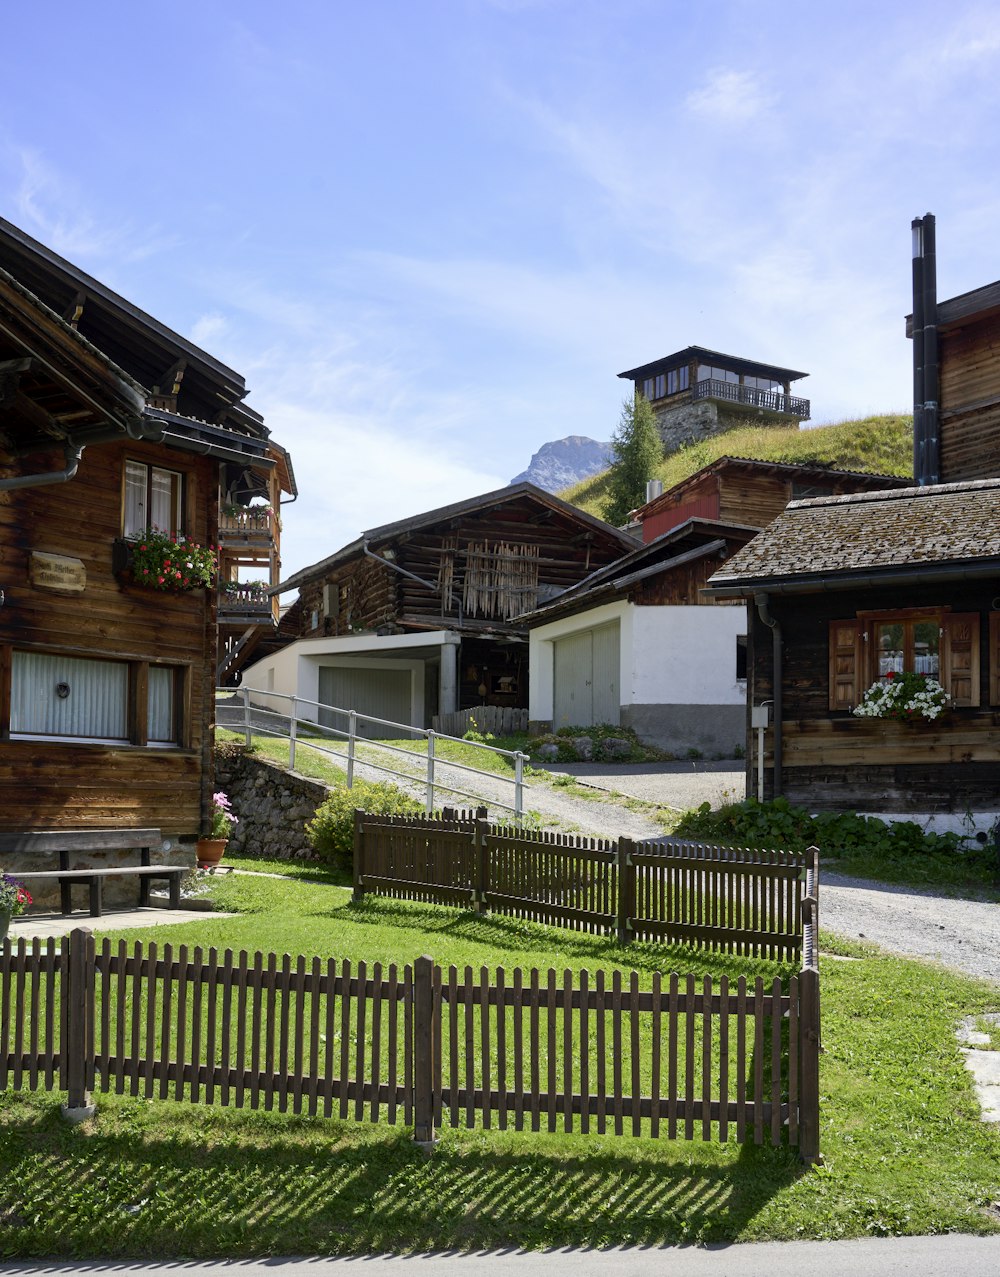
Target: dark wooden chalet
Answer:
pixel 956 373
pixel 843 590
pixel 750 493
pixel 109 423
pixel 460 576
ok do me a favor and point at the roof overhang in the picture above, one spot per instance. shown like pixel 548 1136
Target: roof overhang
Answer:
pixel 830 582
pixel 736 363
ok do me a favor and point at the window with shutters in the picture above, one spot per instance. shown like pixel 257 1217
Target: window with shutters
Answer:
pixel 153 498
pixel 937 642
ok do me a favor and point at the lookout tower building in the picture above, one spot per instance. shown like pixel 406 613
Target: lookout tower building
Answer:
pixel 696 392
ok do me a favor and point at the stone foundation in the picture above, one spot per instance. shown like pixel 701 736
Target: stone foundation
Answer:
pixel 273 806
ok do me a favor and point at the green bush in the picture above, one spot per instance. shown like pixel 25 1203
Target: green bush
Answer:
pixel 331 831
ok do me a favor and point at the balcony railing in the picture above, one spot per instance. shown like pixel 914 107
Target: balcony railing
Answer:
pixel 767 400
pixel 245 523
pixel 246 601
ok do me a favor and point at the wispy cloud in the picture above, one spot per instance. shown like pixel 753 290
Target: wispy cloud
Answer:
pixel 730 98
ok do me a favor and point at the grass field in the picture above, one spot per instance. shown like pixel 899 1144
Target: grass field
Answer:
pixel 904 1149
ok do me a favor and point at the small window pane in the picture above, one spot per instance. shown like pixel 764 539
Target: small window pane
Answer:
pixel 890 648
pixel 135 499
pixel 647 388
pixel 926 658
pixel 164 509
pixel 684 377
pixel 161 716
pixel 68 696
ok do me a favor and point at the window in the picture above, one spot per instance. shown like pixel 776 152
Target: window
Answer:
pixel 684 375
pixel 741 658
pixel 84 699
pixel 661 386
pixel 936 642
pixel 647 388
pixel 153 499
pixel 672 382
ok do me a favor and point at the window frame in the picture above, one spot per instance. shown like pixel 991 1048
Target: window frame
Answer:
pixel 136 701
pixel 179 501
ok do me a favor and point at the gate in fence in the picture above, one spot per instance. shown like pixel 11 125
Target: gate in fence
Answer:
pixel 679 1058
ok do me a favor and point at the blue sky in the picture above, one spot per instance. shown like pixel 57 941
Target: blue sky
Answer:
pixel 431 232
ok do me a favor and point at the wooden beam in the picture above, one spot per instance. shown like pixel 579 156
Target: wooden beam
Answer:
pixel 74 311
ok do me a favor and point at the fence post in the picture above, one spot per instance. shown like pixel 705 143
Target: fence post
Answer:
pixel 359 855
pixel 423 1052
pixel 429 801
pixel 78 1040
pixel 480 857
pixel 519 786
pixel 626 889
pixel 809 1050
pixel 352 736
pixel 292 725
pixel 248 734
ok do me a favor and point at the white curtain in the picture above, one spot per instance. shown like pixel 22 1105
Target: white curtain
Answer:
pixel 160 721
pixel 68 696
pixel 135 499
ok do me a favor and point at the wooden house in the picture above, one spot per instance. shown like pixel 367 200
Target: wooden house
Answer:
pixel 956 355
pixel 750 493
pixel 634 645
pixel 696 392
pixel 109 424
pixel 420 617
pixel 841 592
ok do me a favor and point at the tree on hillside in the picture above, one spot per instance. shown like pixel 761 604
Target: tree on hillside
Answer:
pixel 636 451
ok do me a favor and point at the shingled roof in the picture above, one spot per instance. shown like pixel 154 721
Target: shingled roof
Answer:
pixel 826 542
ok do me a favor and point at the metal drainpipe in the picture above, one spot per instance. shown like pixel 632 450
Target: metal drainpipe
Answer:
pixel 761 601
pixel 73 453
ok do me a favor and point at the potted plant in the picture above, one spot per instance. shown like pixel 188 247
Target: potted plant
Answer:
pixel 158 562
pixel 211 849
pixel 14 899
pixel 905 696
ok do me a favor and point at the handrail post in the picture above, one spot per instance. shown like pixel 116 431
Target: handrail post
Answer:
pixel 245 692
pixel 78 954
pixel 423 1052
pixel 519 786
pixel 429 801
pixel 292 726
pixel 352 736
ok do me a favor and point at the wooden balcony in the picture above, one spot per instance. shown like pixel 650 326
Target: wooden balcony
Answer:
pixel 247 604
pixel 768 401
pixel 247 526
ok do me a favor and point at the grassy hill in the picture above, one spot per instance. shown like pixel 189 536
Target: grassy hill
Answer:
pixel 878 445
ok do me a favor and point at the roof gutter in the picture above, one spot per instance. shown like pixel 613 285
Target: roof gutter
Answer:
pixel 73 454
pixel 817 584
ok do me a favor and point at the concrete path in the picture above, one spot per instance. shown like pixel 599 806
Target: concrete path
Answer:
pixel 44 925
pixel 681 785
pixel 954 1255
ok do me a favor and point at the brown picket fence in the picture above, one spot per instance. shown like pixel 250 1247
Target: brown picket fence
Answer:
pixel 674 1057
pixel 732 900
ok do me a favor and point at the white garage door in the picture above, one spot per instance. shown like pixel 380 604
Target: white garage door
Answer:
pixel 586 678
pixel 380 693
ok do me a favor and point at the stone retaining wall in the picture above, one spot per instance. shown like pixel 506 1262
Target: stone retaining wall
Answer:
pixel 273 806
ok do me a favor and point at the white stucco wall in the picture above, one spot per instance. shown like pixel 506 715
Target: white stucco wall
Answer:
pixel 669 655
pixel 685 656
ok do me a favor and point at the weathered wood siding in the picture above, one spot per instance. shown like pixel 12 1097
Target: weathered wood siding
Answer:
pixel 60 785
pixel 970 401
pixel 832 760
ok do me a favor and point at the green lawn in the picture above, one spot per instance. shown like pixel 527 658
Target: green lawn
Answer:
pixel 904 1149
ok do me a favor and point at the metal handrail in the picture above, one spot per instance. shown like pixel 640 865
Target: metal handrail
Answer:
pixel 432 784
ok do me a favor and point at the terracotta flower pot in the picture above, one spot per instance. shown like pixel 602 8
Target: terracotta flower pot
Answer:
pixel 210 851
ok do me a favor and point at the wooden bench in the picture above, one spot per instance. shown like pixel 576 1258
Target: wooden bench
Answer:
pixel 67 842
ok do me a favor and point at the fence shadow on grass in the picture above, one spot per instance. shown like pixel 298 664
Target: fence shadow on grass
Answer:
pixel 252 1184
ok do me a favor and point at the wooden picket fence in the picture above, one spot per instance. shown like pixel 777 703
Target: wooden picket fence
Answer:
pixel 681 1058
pixel 733 900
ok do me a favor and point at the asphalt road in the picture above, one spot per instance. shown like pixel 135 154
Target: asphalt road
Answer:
pixel 954 1255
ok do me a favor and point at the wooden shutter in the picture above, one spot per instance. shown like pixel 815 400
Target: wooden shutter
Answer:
pixel 845 664
pixel 995 658
pixel 960 657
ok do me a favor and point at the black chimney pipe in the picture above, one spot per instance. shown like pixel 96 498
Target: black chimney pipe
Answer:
pixel 926 445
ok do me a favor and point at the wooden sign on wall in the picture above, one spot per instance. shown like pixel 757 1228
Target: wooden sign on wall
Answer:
pixel 57 572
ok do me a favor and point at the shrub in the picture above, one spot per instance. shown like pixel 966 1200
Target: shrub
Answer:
pixel 331 831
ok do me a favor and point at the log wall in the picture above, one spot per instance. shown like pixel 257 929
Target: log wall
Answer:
pixel 970 401
pixel 50 785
